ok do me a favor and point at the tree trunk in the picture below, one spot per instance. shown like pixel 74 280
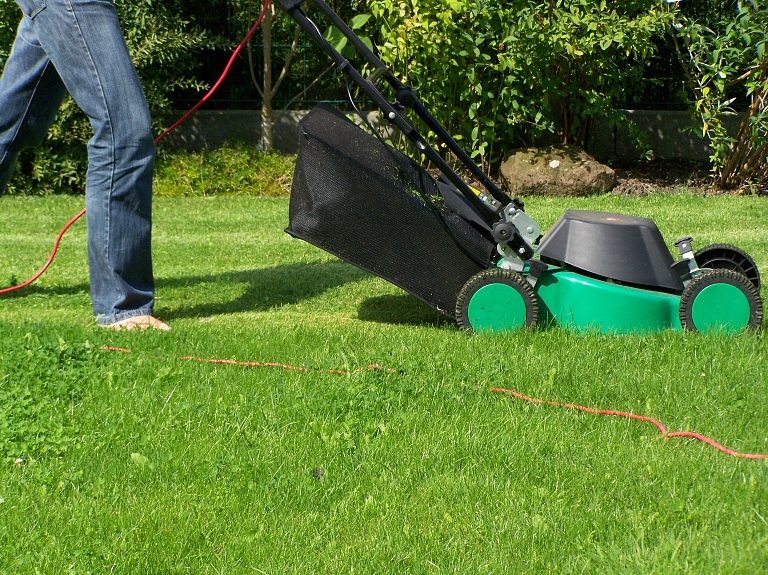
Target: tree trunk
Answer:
pixel 745 160
pixel 267 139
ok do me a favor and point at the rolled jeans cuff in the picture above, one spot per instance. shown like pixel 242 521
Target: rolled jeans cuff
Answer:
pixel 110 319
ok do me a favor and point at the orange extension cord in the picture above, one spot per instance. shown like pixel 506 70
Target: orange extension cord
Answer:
pixel 511 393
pixel 665 434
pixel 183 119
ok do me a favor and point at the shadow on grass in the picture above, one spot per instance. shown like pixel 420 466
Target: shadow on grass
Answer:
pixel 267 288
pixel 35 289
pixel 402 309
pixel 273 287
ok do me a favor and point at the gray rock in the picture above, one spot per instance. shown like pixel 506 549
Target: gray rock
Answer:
pixel 555 171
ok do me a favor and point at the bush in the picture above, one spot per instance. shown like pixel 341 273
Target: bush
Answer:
pixel 509 73
pixel 727 64
pixel 9 19
pixel 231 169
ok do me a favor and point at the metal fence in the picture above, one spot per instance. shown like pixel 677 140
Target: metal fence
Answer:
pixel 661 89
pixel 311 79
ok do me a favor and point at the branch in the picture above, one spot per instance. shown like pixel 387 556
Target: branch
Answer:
pixel 736 151
pixel 691 82
pixel 304 92
pixel 250 59
pixel 747 74
pixel 287 64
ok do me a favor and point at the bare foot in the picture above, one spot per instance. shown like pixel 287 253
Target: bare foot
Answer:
pixel 141 321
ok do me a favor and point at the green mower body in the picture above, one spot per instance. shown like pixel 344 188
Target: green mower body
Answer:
pixel 583 304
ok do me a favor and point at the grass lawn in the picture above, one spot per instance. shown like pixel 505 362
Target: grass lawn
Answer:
pixel 144 463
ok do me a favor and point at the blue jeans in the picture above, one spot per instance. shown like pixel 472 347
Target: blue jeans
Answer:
pixel 76 46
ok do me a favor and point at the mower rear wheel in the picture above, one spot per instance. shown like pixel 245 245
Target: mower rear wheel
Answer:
pixel 497 300
pixel 728 257
pixel 723 300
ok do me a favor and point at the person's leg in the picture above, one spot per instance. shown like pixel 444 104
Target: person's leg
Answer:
pixel 85 44
pixel 31 93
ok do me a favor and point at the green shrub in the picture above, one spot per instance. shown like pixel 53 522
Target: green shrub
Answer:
pixel 9 20
pixel 724 64
pixel 231 169
pixel 510 72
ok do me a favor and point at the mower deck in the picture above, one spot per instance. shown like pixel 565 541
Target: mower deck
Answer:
pixel 583 304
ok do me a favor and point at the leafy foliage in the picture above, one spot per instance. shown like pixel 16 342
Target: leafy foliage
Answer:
pixel 163 46
pixel 9 19
pixel 726 65
pixel 339 41
pixel 504 73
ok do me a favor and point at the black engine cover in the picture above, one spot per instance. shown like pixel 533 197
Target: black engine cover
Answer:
pixel 615 246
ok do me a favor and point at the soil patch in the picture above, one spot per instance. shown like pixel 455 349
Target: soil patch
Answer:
pixel 643 178
pixel 660 176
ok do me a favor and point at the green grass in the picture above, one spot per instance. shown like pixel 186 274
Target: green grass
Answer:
pixel 142 463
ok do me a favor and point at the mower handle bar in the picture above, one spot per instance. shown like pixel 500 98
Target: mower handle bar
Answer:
pixel 294 10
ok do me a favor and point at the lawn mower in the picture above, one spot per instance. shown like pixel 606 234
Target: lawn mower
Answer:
pixel 477 256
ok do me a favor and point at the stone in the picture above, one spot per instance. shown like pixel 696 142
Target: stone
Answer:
pixel 555 171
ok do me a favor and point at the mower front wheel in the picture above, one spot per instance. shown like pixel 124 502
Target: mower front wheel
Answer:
pixel 720 300
pixel 497 300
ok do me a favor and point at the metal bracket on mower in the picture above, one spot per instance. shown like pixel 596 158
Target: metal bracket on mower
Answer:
pixel 516 234
pixel 528 228
pixel 687 267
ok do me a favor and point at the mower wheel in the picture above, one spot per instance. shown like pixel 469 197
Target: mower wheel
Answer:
pixel 728 257
pixel 497 300
pixel 720 299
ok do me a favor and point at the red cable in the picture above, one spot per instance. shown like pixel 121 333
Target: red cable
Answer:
pixel 716 445
pixel 50 258
pixel 183 119
pixel 285 366
pixel 582 408
pixel 221 79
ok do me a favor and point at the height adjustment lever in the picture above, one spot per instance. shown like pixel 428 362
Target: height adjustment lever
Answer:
pixel 687 266
pixel 503 231
pixel 506 233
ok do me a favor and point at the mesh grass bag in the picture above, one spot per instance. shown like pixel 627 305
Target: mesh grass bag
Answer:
pixel 373 207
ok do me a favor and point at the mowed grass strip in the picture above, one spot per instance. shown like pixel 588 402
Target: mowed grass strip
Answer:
pixel 143 462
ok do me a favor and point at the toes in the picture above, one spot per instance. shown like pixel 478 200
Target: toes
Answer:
pixel 143 322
